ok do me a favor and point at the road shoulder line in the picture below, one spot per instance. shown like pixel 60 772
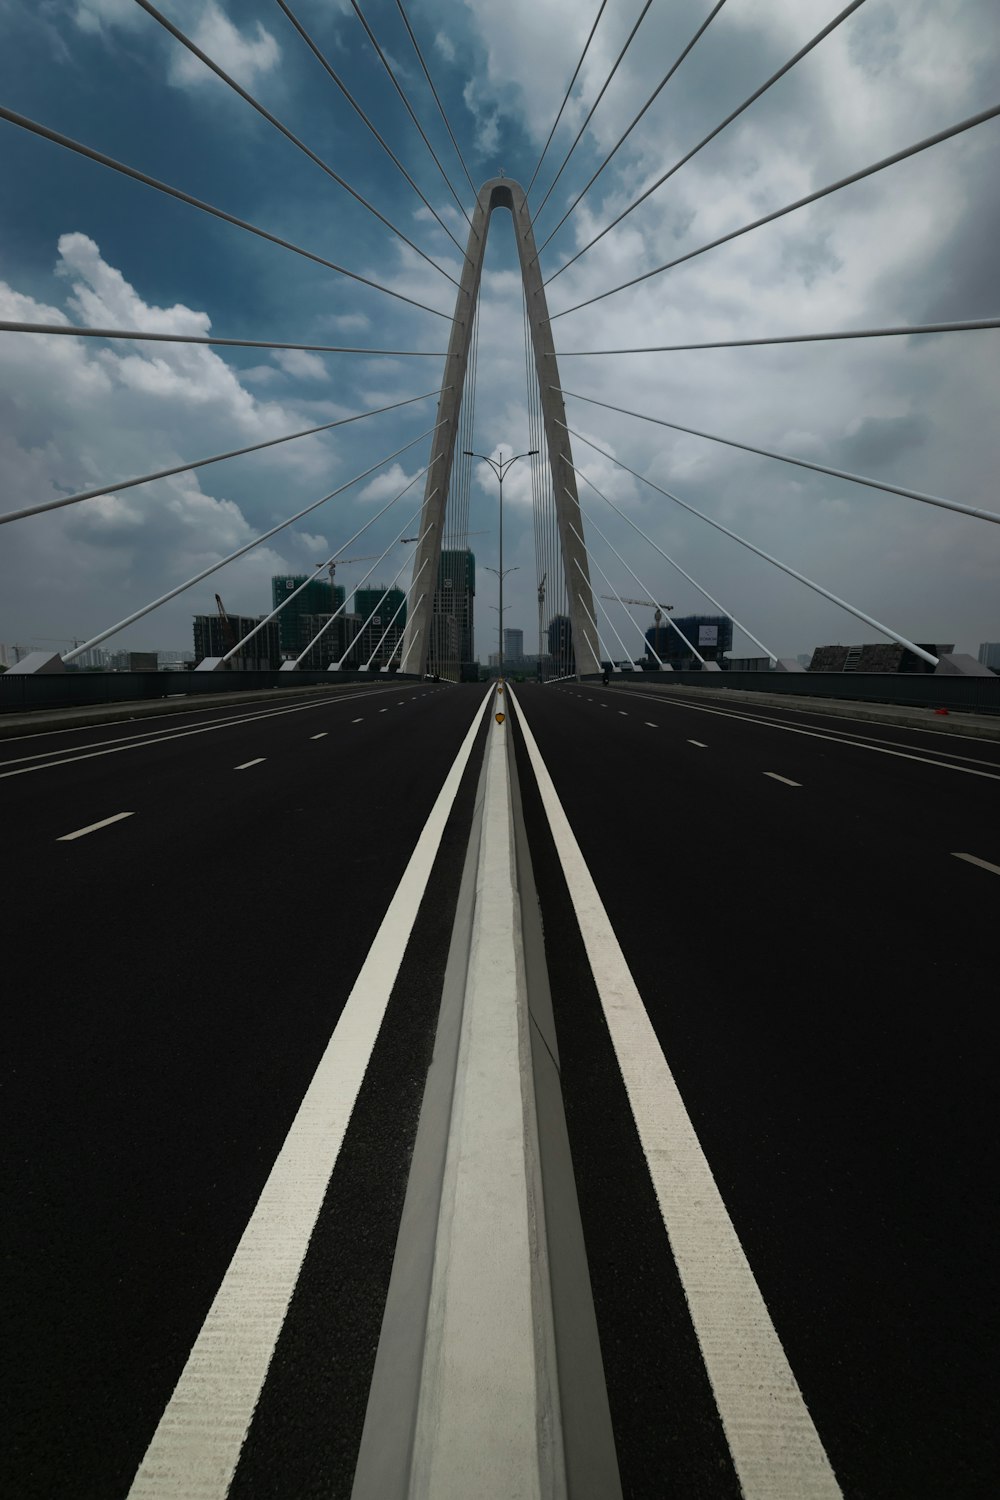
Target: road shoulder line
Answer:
pixel 196 1446
pixel 775 1447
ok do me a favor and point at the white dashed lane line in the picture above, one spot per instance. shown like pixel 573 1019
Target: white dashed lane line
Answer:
pixel 357 721
pixel 248 763
pixel 775 777
pixel 383 710
pixel 66 838
pixel 971 859
pixel 623 713
pixel 701 745
pixel 650 725
pixel 318 736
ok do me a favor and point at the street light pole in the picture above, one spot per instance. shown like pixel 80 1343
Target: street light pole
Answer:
pixel 500 467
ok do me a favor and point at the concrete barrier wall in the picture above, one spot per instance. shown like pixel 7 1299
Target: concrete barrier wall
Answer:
pixel 73 689
pixel 979 695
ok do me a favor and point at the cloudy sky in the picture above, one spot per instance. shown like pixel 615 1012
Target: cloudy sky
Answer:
pixel 914 244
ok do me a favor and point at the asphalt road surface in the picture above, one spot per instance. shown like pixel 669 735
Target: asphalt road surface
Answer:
pixel 190 902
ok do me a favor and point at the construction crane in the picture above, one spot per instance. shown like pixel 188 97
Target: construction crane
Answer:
pixel 226 625
pixel 658 611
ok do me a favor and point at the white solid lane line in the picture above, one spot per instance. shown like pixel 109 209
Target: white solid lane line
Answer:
pixel 701 745
pixel 49 759
pixel 973 859
pixel 775 777
pixel 195 1449
pixel 321 736
pixel 66 838
pixel 819 734
pixel 248 763
pixel 775 1447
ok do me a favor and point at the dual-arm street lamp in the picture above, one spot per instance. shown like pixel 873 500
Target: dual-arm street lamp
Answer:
pixel 500 467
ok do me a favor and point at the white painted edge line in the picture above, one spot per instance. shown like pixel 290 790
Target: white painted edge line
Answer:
pixel 700 743
pixel 48 759
pixel 973 859
pixel 822 734
pixel 321 736
pixel 248 763
pixel 775 1447
pixel 66 838
pixel 196 1447
pixel 775 777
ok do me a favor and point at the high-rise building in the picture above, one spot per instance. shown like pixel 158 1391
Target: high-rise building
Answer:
pixel 711 635
pixel 988 655
pixel 513 644
pixel 212 638
pixel 563 660
pixel 333 644
pixel 317 598
pixel 452 642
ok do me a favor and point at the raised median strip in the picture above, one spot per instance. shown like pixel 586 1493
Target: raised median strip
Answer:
pixel 488 1379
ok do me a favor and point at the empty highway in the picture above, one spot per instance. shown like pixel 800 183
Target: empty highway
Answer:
pixel 804 905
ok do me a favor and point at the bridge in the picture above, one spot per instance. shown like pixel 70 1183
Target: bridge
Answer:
pixel 572 1082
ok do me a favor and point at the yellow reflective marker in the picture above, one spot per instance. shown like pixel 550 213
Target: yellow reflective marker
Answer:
pixel 499 687
pixel 500 718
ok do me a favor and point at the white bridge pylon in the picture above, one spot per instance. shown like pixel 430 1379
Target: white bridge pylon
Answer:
pixel 501 192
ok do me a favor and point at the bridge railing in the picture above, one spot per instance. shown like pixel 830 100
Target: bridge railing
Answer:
pixel 75 689
pixel 914 689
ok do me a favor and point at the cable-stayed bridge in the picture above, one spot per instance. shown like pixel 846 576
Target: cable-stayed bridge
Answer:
pixel 576 1086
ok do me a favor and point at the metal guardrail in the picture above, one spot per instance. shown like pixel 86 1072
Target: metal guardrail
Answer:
pixel 75 689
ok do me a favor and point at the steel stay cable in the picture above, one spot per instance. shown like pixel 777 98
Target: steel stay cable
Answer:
pixel 399 644
pixel 834 187
pixel 437 100
pixel 559 115
pixel 200 463
pixel 266 114
pixel 801 463
pixel 590 114
pixel 605 653
pixel 611 586
pixel 599 602
pixel 802 52
pixel 342 86
pixel 409 109
pixel 751 546
pixel 390 585
pixel 966 326
pixel 73 331
pixel 396 613
pixel 331 559
pixel 670 621
pixel 700 587
pixel 623 138
pixel 164 187
pixel 240 551
pixel 377 563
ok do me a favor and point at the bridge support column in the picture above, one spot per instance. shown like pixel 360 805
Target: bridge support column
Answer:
pixel 501 192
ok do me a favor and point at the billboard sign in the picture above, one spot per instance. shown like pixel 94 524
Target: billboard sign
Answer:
pixel 708 635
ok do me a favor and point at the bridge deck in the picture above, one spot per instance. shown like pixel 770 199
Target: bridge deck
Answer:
pixel 810 953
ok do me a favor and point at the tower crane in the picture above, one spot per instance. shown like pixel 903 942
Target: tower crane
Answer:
pixel 226 625
pixel 658 611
